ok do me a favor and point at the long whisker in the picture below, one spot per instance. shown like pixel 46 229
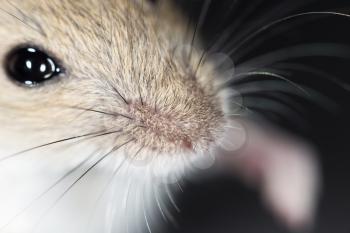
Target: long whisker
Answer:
pixel 95 134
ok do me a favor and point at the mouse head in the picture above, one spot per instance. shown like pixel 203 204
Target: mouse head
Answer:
pixel 115 74
pixel 83 67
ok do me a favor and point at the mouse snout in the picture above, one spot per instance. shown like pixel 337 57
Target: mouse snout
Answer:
pixel 185 123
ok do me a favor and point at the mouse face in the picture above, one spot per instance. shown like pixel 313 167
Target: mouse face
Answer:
pixel 85 84
pixel 74 68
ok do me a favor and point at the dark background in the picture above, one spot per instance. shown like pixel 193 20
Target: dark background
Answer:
pixel 221 204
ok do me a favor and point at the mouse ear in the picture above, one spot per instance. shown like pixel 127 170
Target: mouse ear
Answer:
pixel 284 169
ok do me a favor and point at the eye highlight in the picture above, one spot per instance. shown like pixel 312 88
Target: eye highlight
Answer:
pixel 30 66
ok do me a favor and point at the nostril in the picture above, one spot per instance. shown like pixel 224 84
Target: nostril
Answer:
pixel 187 144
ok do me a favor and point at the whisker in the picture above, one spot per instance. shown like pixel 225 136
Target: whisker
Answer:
pixel 78 115
pixel 38 30
pixel 126 203
pixel 171 198
pixel 279 10
pixel 302 50
pixel 49 189
pixel 187 32
pixel 126 200
pixel 270 86
pixel 276 105
pixel 115 172
pixel 144 213
pixel 235 114
pixel 274 75
pixel 242 107
pixel 159 205
pixel 222 37
pixel 99 161
pixel 199 24
pixel 96 134
pixel 266 27
pixel 114 149
pixel 234 28
pixel 140 95
pixel 281 98
pixel 179 186
pixel 104 113
pixel 315 71
pixel 166 215
pixel 120 95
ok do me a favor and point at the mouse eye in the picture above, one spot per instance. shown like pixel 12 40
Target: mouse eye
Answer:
pixel 30 66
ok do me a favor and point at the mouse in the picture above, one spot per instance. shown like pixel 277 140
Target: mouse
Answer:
pixel 104 104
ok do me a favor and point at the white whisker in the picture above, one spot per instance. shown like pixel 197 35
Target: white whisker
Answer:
pixel 265 73
pixel 171 198
pixel 144 212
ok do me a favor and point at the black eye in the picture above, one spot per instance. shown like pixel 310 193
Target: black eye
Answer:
pixel 30 66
